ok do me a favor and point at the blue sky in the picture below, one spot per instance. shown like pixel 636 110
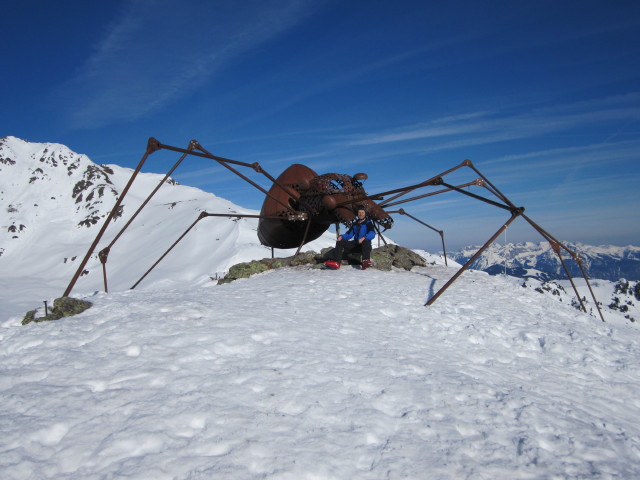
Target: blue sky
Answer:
pixel 543 97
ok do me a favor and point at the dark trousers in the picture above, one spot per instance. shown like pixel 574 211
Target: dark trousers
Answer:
pixel 347 246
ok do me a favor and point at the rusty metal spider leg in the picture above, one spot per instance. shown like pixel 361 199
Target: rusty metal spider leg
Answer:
pixel 503 202
pixel 514 214
pixel 380 236
pixel 490 186
pixel 593 296
pixel 440 232
pixel 433 181
pixel 193 149
pixel 152 146
pixel 403 191
pixel 256 166
pixel 104 253
pixel 388 203
pixel 556 245
pixel 200 217
pixel 437 180
pixel 304 238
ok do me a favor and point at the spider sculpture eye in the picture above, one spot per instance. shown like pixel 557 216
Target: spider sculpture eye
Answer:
pixel 337 184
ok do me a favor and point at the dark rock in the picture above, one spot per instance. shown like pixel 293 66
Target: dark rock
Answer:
pixel 67 306
pixel 62 307
pixel 243 270
pixel 246 269
pixel 401 257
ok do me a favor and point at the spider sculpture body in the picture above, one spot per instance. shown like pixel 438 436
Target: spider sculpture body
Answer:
pixel 324 199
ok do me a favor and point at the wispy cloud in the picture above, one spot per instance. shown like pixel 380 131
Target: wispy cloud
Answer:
pixel 156 52
pixel 437 128
pixel 492 127
pixel 585 154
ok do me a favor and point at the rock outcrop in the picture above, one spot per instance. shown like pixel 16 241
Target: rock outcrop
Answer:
pixel 384 258
pixel 62 307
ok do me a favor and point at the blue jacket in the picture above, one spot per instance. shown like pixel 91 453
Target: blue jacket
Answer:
pixel 359 230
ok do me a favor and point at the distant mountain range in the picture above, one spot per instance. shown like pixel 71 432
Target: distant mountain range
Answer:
pixel 539 261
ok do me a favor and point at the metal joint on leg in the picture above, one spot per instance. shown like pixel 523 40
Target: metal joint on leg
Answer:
pixel 152 146
pixel 103 255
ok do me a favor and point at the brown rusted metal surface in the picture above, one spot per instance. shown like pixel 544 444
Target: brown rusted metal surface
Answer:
pixel 326 199
pixel 279 231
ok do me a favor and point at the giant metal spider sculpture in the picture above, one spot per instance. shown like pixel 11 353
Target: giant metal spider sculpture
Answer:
pixel 301 205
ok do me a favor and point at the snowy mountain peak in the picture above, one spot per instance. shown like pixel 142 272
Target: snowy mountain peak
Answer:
pixel 42 179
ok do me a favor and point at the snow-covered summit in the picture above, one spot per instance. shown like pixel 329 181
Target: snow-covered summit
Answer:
pixel 40 179
pixel 303 373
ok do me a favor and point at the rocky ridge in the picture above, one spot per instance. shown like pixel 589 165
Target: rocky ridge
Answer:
pixel 384 258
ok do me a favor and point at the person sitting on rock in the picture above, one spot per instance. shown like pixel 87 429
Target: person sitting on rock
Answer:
pixel 360 233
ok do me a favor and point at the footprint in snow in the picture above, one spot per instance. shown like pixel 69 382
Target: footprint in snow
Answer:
pixel 50 436
pixel 133 351
pixel 388 312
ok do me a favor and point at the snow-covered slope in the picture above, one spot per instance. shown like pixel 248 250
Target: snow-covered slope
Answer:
pixel 316 374
pixel 538 260
pixel 54 201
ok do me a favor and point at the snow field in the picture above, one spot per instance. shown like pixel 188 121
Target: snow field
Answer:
pixel 313 374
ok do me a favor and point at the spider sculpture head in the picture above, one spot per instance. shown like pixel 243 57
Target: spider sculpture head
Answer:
pixel 324 199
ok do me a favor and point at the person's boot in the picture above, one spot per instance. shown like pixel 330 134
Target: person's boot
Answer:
pixel 332 264
pixel 366 264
